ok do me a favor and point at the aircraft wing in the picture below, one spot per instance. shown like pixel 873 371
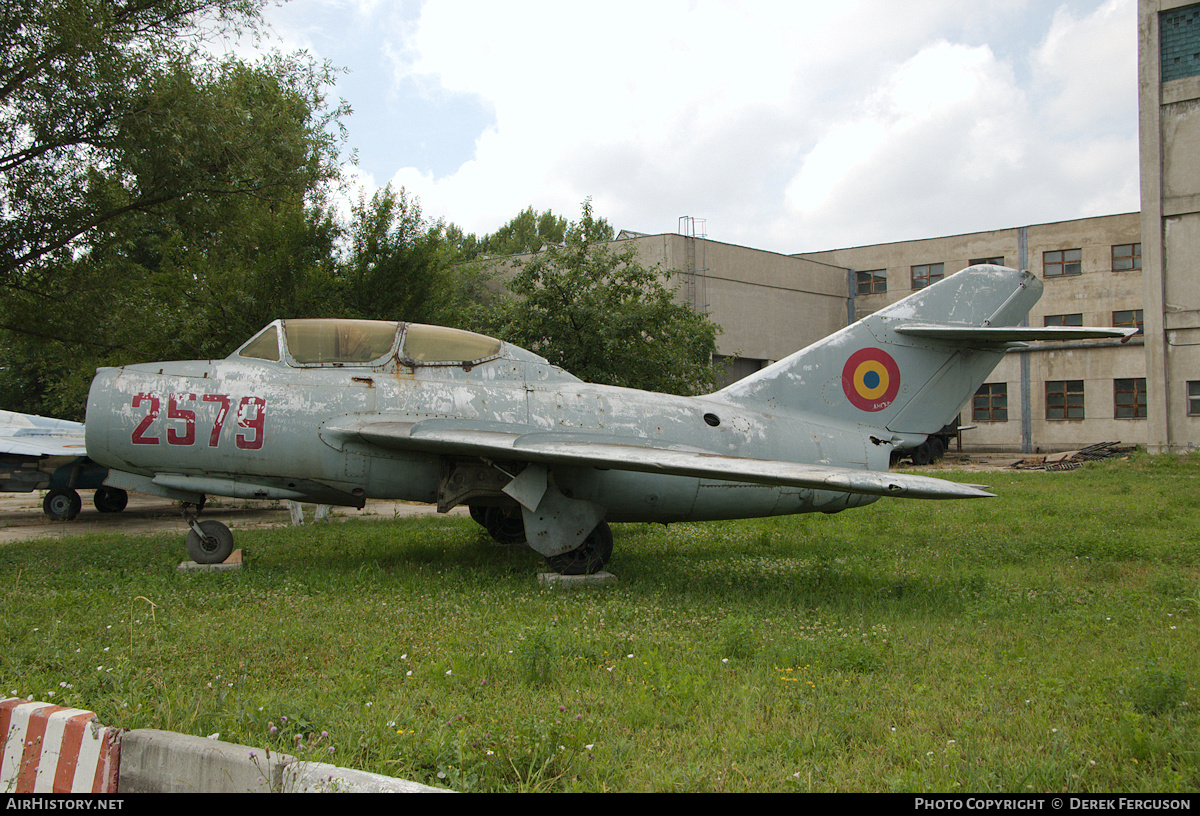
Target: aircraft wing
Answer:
pixel 35 436
pixel 591 450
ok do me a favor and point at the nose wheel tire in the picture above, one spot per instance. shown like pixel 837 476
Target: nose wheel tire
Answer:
pixel 589 557
pixel 110 499
pixel 62 504
pixel 213 547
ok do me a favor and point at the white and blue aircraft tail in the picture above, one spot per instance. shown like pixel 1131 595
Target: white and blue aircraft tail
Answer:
pixel 340 411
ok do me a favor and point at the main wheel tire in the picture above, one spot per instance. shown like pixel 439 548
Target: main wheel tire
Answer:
pixel 937 449
pixel 478 514
pixel 505 524
pixel 214 547
pixel 920 455
pixel 589 557
pixel 110 499
pixel 62 504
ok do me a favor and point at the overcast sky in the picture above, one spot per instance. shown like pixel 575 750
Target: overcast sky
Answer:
pixel 787 125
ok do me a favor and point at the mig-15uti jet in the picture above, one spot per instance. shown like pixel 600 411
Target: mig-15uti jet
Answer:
pixel 341 411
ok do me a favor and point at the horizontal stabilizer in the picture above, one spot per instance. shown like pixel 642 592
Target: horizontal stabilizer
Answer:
pixel 1011 334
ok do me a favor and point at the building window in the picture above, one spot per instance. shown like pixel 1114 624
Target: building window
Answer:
pixel 1063 320
pixel 1129 398
pixel 925 274
pixel 871 283
pixel 1126 256
pixel 1128 319
pixel 1064 399
pixel 1062 262
pixel 990 403
pixel 1179 42
pixel 997 261
pixel 1193 397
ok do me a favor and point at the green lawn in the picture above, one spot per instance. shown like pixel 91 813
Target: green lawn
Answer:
pixel 1044 640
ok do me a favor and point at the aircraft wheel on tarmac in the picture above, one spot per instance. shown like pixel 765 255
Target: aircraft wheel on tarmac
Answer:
pixel 505 524
pixel 589 557
pixel 110 499
pixel 214 547
pixel 62 504
pixel 937 449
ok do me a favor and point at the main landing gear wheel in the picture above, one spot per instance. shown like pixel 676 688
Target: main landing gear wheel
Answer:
pixel 213 547
pixel 110 499
pixel 505 524
pixel 62 504
pixel 589 557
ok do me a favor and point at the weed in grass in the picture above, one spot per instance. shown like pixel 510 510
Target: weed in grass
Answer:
pixel 1156 691
pixel 736 638
pixel 537 655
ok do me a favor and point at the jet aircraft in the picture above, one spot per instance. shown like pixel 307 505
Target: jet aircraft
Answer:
pixel 37 453
pixel 340 411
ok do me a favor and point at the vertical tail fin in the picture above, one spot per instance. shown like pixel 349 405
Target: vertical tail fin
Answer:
pixel 877 373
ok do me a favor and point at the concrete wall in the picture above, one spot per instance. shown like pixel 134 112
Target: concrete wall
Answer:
pixel 1170 170
pixel 768 305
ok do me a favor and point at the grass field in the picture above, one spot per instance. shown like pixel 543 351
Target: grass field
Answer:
pixel 1045 640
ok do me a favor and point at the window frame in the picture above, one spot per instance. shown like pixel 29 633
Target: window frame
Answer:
pixel 1067 262
pixel 1125 386
pixel 1134 258
pixel 1134 322
pixel 992 393
pixel 1073 394
pixel 876 284
pixel 1072 319
pixel 931 274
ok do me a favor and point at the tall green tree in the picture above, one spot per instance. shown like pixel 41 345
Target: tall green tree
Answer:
pixel 94 96
pixel 591 307
pixel 528 231
pixel 399 265
pixel 157 202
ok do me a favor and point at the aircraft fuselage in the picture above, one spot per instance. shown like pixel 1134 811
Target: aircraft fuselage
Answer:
pixel 262 429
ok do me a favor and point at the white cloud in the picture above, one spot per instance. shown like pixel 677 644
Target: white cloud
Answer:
pixel 788 125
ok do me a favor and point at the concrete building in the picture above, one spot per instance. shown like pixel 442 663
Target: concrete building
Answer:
pixel 1169 117
pixel 1050 396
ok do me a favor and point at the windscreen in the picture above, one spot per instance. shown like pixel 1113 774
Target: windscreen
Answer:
pixel 333 342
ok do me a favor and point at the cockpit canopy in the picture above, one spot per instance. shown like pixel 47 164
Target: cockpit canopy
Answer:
pixel 338 342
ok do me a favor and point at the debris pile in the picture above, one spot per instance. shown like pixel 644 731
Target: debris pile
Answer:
pixel 1073 459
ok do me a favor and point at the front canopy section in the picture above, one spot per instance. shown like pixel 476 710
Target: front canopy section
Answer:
pixel 346 342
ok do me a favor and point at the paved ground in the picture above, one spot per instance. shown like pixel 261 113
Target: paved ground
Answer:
pixel 21 514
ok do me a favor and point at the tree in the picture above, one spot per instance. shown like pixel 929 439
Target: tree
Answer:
pixel 528 231
pixel 110 108
pixel 155 203
pixel 401 266
pixel 594 309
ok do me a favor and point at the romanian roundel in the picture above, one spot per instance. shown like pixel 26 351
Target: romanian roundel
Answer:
pixel 871 379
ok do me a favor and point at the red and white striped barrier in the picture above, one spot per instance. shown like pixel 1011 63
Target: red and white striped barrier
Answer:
pixel 51 749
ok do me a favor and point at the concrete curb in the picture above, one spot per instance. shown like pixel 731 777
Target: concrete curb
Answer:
pixel 51 749
pixel 155 761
